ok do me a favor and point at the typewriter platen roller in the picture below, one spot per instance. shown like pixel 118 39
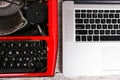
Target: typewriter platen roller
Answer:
pixel 18 17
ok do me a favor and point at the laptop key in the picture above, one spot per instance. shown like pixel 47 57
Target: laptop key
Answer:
pixel 100 16
pixel 94 15
pixel 109 38
pixel 91 20
pixel 110 26
pixel 81 32
pixel 114 21
pixel 77 15
pixel 105 15
pixel 115 26
pixel 90 31
pixel 79 20
pixel 113 32
pixel 96 31
pixel 111 15
pixel 117 11
pixel 89 38
pixel 98 26
pixel 106 11
pixel 86 20
pixel 101 31
pixel 97 20
pixel 95 11
pixel 89 11
pixel 102 20
pixel 77 38
pixel 83 11
pixel 107 31
pixel 93 26
pixel 116 15
pixel 104 26
pixel 77 10
pixel 112 11
pixel 95 38
pixel 83 15
pixel 118 20
pixel 109 21
pixel 101 11
pixel 87 26
pixel 88 15
pixel 83 38
pixel 79 26
pixel 118 31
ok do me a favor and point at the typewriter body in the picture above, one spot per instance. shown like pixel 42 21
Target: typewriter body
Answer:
pixel 28 37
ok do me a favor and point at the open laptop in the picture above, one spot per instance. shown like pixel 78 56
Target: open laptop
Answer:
pixel 91 37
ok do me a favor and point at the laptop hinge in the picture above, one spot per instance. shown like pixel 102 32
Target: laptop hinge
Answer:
pixel 96 2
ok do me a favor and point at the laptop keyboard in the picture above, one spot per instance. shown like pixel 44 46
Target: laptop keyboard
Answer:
pixel 97 25
pixel 23 56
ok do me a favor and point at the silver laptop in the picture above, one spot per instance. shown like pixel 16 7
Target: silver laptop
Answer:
pixel 91 37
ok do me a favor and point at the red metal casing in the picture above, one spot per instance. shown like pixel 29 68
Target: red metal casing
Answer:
pixel 52 43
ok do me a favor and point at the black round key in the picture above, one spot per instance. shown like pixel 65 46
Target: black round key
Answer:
pixel 37 13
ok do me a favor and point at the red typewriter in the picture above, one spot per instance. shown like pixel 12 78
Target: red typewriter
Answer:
pixel 28 37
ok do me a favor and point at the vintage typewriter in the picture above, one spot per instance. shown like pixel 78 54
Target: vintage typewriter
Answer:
pixel 28 37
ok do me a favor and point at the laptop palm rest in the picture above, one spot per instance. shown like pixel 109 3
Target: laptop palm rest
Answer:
pixel 93 59
pixel 111 57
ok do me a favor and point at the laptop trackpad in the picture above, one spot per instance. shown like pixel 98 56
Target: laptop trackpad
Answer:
pixel 111 57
